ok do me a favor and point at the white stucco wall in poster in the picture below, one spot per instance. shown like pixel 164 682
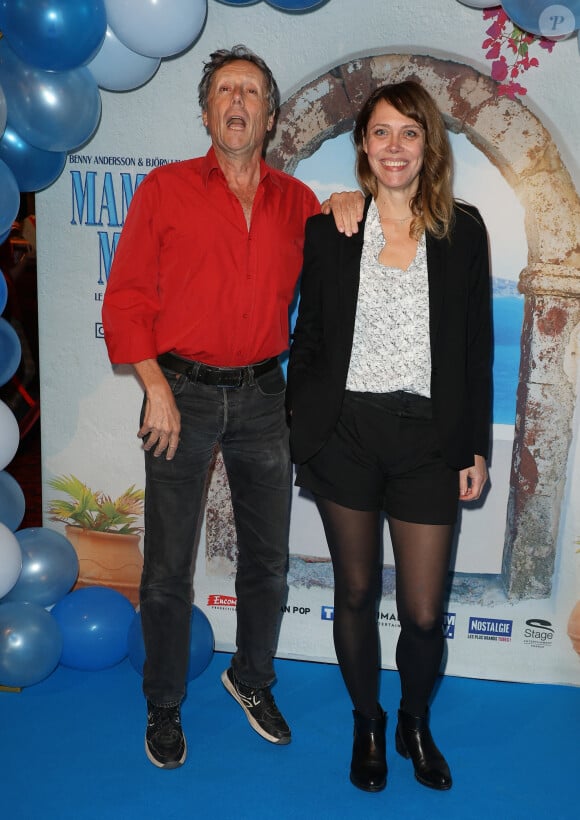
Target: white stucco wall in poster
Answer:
pixel 90 413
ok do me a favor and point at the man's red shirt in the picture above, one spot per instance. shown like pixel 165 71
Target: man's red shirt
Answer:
pixel 189 277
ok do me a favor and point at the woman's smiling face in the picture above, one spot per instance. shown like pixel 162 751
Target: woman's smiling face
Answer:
pixel 395 146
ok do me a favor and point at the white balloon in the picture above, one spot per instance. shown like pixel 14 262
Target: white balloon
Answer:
pixel 10 560
pixel 480 4
pixel 117 68
pixel 9 435
pixel 156 28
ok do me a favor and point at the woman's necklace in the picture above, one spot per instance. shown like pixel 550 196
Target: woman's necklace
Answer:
pixel 397 221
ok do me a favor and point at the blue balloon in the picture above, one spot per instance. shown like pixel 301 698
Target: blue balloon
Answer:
pixel 117 68
pixel 2 110
pixel 157 28
pixel 480 4
pixel 12 501
pixel 94 622
pixel 30 644
pixel 33 168
pixel 296 5
pixel 10 351
pixel 50 567
pixel 55 35
pixel 9 197
pixel 201 644
pixel 55 111
pixel 3 285
pixel 538 16
pixel 283 5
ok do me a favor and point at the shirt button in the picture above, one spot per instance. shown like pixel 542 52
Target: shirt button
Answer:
pixel 244 315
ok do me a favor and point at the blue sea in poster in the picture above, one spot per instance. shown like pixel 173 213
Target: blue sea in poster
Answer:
pixel 508 313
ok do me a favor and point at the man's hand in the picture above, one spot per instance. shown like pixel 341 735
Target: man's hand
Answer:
pixel 472 480
pixel 161 422
pixel 347 208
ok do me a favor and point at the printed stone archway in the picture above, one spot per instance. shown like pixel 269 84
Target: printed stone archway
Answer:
pixel 517 143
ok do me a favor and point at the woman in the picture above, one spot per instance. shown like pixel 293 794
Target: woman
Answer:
pixel 389 396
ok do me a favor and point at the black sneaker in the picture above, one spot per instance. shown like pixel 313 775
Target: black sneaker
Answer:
pixel 165 744
pixel 260 709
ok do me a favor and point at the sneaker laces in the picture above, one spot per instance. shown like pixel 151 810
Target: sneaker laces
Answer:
pixel 166 721
pixel 264 697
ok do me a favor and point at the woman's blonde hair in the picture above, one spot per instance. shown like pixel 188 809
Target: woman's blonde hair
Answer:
pixel 432 205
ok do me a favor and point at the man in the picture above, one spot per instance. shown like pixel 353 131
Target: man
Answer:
pixel 197 301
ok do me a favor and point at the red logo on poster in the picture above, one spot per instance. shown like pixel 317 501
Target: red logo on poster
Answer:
pixel 222 601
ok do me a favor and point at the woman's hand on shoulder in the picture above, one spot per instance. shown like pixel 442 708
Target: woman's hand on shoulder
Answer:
pixel 472 480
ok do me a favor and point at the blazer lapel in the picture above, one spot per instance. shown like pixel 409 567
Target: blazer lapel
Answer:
pixel 350 252
pixel 435 252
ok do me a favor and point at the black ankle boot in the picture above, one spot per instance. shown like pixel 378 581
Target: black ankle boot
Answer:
pixel 368 769
pixel 413 739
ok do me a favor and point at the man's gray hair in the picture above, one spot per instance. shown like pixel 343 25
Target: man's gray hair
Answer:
pixel 223 57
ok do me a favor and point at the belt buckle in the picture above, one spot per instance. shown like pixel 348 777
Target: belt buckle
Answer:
pixel 231 382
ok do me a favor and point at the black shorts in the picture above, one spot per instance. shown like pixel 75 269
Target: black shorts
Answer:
pixel 384 455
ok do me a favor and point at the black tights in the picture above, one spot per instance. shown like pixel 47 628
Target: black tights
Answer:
pixel 422 553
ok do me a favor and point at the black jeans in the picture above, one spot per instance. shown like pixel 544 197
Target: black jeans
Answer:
pixel 249 423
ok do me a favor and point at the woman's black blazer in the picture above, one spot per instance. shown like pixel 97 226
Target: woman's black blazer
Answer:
pixel 460 333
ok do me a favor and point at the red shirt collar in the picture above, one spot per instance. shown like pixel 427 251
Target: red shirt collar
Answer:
pixel 210 164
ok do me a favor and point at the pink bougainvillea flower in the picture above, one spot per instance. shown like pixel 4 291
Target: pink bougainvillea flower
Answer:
pixel 493 52
pixel 507 47
pixel 498 13
pixel 499 69
pixel 494 30
pixel 546 44
pixel 511 89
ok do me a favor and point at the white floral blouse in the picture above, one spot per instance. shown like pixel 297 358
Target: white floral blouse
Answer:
pixel 391 349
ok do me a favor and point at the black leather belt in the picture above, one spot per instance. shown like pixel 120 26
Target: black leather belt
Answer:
pixel 215 376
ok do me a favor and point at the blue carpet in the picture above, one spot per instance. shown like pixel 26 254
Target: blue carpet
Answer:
pixel 72 747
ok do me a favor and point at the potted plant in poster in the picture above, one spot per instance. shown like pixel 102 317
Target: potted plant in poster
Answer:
pixel 104 533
